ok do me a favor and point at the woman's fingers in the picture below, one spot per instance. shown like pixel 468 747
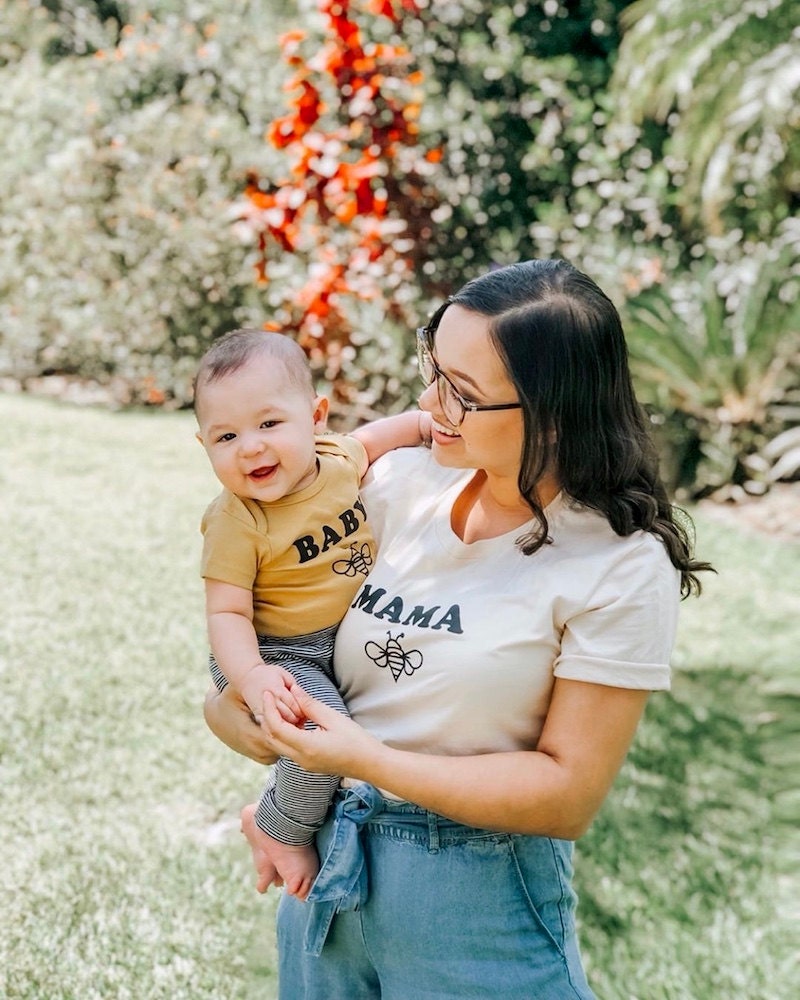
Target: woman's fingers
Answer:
pixel 287 705
pixel 229 719
pixel 323 715
pixel 335 745
pixel 313 749
pixel 278 731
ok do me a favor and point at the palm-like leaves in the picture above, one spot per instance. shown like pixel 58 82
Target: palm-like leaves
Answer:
pixel 720 348
pixel 730 70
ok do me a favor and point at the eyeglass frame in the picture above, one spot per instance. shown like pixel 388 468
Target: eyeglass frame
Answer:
pixel 425 354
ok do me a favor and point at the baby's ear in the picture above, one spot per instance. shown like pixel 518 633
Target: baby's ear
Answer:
pixel 321 407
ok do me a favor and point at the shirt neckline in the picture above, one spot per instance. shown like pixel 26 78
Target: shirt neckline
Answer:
pixel 482 546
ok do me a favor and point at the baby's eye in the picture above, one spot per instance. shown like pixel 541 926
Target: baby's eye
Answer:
pixel 229 436
pixel 267 424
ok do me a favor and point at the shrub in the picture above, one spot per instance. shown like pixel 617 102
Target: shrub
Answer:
pixel 717 353
pixel 120 260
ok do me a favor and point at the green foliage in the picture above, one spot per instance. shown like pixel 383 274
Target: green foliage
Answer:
pixel 713 316
pixel 724 75
pixel 717 352
pixel 120 257
pixel 515 95
pixel 651 143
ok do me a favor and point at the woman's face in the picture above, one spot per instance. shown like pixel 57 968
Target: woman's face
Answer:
pixel 486 439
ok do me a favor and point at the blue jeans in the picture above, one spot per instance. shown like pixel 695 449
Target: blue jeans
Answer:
pixel 411 906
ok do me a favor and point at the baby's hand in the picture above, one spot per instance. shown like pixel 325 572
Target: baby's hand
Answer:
pixel 267 679
pixel 278 690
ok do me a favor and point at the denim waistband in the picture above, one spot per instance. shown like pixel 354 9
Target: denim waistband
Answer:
pixel 341 884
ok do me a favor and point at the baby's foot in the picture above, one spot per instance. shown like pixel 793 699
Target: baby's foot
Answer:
pixel 265 870
pixel 292 865
pixel 297 864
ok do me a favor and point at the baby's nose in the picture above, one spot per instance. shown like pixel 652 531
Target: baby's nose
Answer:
pixel 251 444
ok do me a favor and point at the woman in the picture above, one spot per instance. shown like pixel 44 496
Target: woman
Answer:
pixel 495 663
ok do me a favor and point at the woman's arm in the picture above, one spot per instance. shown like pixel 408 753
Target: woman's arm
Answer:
pixel 554 791
pixel 229 719
pixel 403 430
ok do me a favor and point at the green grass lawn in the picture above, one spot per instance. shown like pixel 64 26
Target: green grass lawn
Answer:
pixel 123 873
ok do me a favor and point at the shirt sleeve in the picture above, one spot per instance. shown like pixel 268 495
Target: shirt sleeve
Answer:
pixel 230 546
pixel 348 447
pixel 355 451
pixel 624 635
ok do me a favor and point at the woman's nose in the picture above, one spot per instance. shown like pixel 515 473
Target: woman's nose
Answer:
pixel 428 397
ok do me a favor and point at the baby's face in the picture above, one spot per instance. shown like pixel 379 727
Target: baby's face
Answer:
pixel 258 430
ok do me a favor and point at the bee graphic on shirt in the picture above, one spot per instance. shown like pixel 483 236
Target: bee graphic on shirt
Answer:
pixel 359 562
pixel 394 656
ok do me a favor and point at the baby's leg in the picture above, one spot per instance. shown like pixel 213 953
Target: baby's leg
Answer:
pixel 294 805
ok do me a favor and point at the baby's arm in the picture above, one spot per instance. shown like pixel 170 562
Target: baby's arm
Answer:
pixel 229 613
pixel 404 430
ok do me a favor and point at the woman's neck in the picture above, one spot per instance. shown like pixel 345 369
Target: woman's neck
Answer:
pixel 488 507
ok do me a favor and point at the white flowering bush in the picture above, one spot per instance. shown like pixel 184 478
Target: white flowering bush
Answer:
pixel 119 260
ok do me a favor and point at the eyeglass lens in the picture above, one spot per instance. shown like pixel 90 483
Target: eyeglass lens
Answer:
pixel 448 400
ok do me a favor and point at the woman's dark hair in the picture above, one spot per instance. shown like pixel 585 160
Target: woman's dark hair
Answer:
pixel 561 340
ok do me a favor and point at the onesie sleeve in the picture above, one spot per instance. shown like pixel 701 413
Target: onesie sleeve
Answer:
pixel 231 545
pixel 346 447
pixel 623 637
pixel 355 451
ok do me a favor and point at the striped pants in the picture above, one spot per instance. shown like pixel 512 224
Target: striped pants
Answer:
pixel 294 804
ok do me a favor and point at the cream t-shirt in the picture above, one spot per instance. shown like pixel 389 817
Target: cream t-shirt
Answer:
pixel 453 648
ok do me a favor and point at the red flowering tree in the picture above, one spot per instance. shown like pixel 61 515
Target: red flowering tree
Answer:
pixel 353 207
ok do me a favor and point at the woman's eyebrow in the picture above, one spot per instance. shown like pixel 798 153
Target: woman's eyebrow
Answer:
pixel 463 377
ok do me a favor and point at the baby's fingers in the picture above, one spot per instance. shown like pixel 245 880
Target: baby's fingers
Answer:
pixel 286 704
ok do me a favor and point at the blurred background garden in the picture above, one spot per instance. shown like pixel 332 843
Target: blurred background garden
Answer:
pixel 333 168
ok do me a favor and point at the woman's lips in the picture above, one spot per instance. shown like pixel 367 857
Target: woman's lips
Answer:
pixel 443 435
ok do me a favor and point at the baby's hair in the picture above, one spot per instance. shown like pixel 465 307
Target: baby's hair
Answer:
pixel 233 351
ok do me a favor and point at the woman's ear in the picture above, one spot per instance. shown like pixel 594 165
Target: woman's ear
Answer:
pixel 321 407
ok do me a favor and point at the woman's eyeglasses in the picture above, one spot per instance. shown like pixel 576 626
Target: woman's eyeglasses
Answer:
pixel 453 404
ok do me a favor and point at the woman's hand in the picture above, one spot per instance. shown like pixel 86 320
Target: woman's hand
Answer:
pixel 337 746
pixel 229 719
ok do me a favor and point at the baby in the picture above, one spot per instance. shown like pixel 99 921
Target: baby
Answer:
pixel 286 545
